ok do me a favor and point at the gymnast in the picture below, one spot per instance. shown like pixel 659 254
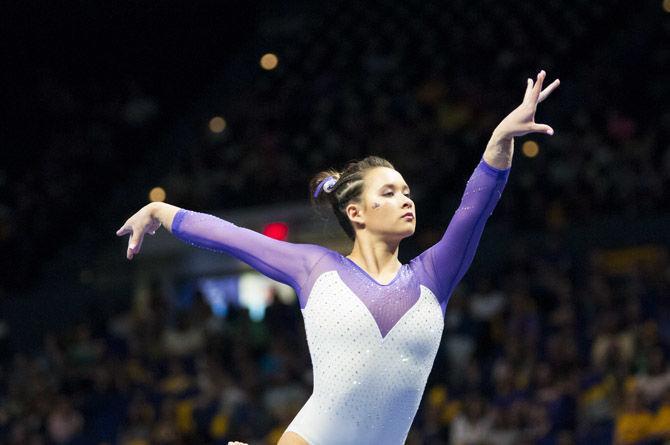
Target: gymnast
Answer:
pixel 373 324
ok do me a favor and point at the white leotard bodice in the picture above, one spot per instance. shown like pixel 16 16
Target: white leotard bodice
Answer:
pixel 367 388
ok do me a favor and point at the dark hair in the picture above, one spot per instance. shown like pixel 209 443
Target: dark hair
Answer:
pixel 348 188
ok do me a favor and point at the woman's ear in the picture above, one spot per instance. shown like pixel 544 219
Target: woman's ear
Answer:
pixel 355 214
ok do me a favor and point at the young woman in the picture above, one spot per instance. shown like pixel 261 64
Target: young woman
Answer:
pixel 373 324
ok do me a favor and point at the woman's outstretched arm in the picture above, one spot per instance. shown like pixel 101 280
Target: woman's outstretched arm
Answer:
pixel 449 259
pixel 288 263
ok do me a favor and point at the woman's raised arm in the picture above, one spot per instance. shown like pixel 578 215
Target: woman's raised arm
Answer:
pixel 448 260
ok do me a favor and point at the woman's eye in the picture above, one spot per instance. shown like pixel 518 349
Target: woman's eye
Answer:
pixel 409 195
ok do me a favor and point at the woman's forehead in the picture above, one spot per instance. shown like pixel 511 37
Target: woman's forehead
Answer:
pixel 380 176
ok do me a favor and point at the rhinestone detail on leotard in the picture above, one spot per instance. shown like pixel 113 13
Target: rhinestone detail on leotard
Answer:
pixel 368 385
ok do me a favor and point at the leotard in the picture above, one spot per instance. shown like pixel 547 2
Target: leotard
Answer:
pixel 372 345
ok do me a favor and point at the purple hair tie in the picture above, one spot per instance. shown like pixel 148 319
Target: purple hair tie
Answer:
pixel 327 185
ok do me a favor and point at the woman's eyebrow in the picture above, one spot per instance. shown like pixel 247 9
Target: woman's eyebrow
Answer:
pixel 393 186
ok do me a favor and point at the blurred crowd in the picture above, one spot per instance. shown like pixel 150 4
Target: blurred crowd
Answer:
pixel 539 353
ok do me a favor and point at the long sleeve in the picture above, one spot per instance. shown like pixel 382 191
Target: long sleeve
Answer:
pixel 288 263
pixel 448 260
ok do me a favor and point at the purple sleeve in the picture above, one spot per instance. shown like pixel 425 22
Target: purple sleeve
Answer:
pixel 288 263
pixel 448 260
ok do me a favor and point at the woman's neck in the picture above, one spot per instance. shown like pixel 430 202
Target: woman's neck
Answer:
pixel 378 258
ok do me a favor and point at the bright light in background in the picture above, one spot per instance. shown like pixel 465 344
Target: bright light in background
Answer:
pixel 530 149
pixel 255 291
pixel 276 230
pixel 250 290
pixel 157 194
pixel 269 61
pixel 666 5
pixel 220 293
pixel 217 124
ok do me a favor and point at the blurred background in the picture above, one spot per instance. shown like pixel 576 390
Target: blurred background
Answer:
pixel 558 334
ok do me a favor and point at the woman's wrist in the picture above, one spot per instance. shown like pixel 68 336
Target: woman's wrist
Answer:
pixel 499 151
pixel 499 136
pixel 163 212
pixel 154 208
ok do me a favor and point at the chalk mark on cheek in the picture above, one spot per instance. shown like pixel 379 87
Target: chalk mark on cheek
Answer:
pixel 375 205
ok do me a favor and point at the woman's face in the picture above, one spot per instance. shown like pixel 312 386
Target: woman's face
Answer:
pixel 384 203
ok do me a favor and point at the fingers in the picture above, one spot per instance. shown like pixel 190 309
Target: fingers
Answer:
pixel 131 241
pixel 131 246
pixel 137 233
pixel 134 245
pixel 547 91
pixel 123 230
pixel 534 93
pixel 529 90
pixel 537 88
pixel 542 128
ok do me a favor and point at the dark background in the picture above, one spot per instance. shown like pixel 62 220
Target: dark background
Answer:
pixel 103 101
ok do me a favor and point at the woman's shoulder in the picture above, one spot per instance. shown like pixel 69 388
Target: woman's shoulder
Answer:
pixel 318 253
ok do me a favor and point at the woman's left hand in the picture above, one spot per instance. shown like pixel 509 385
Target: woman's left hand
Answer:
pixel 522 120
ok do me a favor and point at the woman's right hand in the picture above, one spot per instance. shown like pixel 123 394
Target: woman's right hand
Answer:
pixel 137 225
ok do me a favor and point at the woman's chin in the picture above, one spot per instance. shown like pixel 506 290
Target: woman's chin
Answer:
pixel 407 233
pixel 399 233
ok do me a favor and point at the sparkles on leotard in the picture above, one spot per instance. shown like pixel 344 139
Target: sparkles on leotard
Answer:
pixel 372 345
